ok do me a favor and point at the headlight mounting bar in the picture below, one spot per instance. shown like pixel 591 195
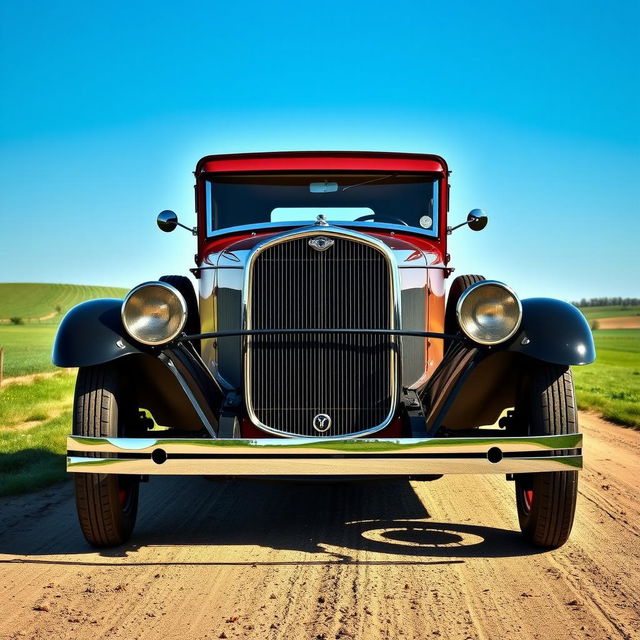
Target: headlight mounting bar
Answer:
pixel 257 332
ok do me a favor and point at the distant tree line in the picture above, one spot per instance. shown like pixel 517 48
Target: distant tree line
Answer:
pixel 608 302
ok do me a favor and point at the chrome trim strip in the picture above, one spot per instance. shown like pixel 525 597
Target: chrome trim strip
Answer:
pixel 323 446
pixel 192 353
pixel 323 467
pixel 166 359
pixel 310 457
pixel 257 332
pixel 394 315
pixel 400 266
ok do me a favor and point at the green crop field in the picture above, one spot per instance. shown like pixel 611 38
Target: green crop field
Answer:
pixel 34 302
pixel 595 313
pixel 611 386
pixel 35 419
pixel 27 346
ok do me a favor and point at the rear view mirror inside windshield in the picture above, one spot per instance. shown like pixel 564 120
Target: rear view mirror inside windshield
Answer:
pixel 323 187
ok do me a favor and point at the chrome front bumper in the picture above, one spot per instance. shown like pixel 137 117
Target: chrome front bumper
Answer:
pixel 314 457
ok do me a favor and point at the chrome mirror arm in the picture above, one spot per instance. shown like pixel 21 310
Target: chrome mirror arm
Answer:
pixel 168 221
pixel 476 219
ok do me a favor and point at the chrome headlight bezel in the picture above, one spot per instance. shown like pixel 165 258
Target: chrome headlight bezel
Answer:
pixel 179 307
pixel 470 296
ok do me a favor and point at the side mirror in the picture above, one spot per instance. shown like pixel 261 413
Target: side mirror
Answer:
pixel 477 220
pixel 168 220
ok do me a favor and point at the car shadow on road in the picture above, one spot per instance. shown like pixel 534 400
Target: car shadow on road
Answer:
pixel 339 522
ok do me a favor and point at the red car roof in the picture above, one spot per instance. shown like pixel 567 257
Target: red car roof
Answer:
pixel 322 161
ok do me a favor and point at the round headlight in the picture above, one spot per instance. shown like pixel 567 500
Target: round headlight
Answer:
pixel 489 312
pixel 154 313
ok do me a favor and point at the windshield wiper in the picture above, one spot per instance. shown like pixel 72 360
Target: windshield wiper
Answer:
pixel 351 186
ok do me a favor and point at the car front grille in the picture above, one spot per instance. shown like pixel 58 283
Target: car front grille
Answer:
pixel 293 379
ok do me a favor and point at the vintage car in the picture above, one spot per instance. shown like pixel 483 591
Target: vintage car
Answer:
pixel 322 344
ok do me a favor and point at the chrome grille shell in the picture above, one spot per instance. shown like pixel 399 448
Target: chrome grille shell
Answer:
pixel 390 345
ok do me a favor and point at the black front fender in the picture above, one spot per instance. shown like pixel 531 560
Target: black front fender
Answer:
pixel 554 331
pixel 92 333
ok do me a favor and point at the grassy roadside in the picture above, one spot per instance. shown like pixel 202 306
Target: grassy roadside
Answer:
pixel 27 348
pixel 35 419
pixel 611 386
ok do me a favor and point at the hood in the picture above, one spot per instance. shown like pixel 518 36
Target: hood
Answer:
pixel 410 251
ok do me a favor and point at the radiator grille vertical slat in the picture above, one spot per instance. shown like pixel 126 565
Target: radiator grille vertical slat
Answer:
pixel 293 378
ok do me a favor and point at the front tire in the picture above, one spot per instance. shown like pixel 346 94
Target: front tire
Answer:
pixel 185 287
pixel 458 287
pixel 107 504
pixel 547 501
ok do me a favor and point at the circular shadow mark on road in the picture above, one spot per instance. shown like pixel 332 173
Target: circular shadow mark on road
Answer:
pixel 438 539
pixel 421 537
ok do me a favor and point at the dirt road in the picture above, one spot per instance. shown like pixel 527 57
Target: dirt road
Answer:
pixel 624 322
pixel 398 560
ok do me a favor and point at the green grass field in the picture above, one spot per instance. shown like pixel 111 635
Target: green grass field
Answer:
pixel 35 420
pixel 27 348
pixel 36 302
pixel 611 386
pixel 595 313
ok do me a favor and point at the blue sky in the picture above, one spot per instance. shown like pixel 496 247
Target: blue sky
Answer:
pixel 106 108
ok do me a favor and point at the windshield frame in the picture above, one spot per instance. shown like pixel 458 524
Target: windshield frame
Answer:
pixel 365 177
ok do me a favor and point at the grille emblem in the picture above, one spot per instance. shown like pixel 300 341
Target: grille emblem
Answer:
pixel 320 243
pixel 322 422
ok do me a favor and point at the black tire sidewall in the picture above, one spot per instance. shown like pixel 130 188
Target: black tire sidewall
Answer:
pixel 101 409
pixel 458 287
pixel 185 287
pixel 549 409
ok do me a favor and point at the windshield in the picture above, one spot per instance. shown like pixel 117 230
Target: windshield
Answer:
pixel 367 198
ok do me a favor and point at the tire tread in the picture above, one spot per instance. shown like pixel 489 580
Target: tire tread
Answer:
pixel 96 415
pixel 552 412
pixel 458 286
